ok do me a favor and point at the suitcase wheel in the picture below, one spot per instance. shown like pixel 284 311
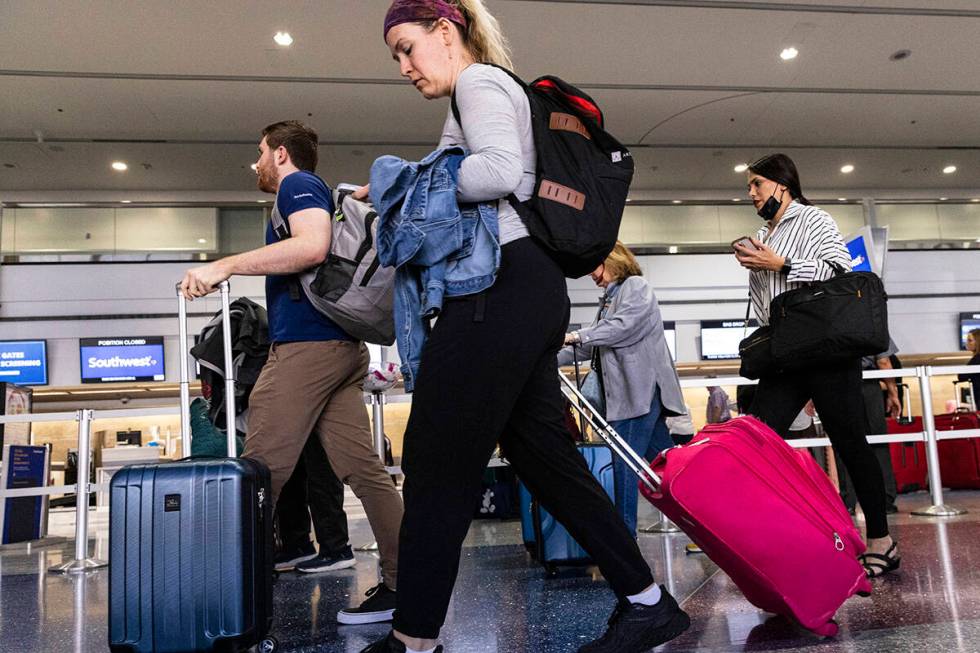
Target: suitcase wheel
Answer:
pixel 268 645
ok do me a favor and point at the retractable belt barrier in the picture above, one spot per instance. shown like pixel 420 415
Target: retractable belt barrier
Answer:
pixel 85 417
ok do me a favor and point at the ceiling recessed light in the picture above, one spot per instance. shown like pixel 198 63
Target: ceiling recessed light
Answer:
pixel 841 199
pixel 125 201
pixel 202 240
pixel 789 53
pixel 848 169
pixel 741 167
pixel 736 199
pixel 976 200
pixel 262 201
pixel 254 167
pixel 675 201
pixel 672 249
pixel 119 166
pixel 283 38
pixel 943 199
pixel 628 200
pixel 948 170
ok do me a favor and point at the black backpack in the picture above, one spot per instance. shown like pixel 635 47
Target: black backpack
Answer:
pixel 583 176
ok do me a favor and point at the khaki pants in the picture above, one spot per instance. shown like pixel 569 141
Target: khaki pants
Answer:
pixel 316 387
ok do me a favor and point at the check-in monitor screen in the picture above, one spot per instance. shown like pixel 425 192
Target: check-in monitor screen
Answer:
pixel 670 333
pixel 117 360
pixel 720 338
pixel 24 362
pixel 968 322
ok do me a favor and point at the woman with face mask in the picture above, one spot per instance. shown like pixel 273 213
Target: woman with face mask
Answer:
pixel 488 370
pixel 800 244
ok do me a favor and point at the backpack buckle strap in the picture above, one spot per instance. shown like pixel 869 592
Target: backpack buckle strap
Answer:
pixel 567 122
pixel 555 192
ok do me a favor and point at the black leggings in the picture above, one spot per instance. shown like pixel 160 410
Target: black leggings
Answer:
pixel 313 490
pixel 838 398
pixel 489 373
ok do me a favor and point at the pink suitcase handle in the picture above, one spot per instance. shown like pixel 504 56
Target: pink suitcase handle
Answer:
pixel 619 446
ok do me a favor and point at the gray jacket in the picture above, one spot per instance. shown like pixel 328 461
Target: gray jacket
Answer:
pixel 634 354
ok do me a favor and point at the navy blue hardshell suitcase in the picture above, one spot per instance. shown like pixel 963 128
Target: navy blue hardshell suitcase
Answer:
pixel 545 538
pixel 190 557
pixel 190 542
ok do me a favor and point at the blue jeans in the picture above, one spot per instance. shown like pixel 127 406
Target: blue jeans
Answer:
pixel 648 435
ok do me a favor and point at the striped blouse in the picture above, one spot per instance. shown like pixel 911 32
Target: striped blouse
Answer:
pixel 810 238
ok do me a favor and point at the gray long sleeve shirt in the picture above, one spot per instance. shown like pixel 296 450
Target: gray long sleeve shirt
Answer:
pixel 633 352
pixel 496 129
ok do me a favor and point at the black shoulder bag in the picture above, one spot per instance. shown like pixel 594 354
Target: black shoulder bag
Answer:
pixel 843 318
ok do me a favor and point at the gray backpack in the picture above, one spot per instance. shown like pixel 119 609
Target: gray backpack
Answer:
pixel 350 286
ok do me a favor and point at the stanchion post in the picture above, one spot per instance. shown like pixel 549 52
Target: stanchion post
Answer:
pixel 663 525
pixel 225 289
pixel 378 432
pixel 82 562
pixel 378 423
pixel 668 552
pixel 185 383
pixel 938 508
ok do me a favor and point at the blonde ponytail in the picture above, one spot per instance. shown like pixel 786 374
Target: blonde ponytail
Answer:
pixel 484 38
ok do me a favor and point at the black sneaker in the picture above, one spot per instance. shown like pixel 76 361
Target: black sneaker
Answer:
pixel 390 645
pixel 287 559
pixel 638 628
pixel 377 607
pixel 329 562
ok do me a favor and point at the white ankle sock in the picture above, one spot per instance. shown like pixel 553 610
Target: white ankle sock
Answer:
pixel 648 597
pixel 412 650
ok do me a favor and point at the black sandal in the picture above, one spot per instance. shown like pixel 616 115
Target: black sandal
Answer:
pixel 876 565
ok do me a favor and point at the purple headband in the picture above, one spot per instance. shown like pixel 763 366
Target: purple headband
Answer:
pixel 415 11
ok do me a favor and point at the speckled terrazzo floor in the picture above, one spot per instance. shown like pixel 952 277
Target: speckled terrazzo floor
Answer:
pixel 504 603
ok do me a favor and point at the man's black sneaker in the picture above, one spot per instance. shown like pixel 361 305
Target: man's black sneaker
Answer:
pixel 287 559
pixel 377 607
pixel 639 628
pixel 329 562
pixel 390 645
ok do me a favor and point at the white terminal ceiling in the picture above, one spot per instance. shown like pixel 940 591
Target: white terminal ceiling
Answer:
pixel 180 89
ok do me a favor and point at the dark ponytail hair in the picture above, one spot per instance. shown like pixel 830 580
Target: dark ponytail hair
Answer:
pixel 781 169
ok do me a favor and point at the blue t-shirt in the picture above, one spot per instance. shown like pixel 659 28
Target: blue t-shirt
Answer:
pixel 295 320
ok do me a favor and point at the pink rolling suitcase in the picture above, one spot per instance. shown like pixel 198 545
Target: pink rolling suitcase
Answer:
pixel 762 511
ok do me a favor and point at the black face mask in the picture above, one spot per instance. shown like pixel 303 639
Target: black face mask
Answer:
pixel 769 210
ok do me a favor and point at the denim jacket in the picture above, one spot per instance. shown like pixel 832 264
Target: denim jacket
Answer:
pixel 438 247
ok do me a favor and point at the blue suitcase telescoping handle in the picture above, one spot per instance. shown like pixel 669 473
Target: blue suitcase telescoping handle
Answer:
pixel 229 370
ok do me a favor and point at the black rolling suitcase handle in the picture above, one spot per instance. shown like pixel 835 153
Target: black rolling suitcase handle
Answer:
pixel 229 371
pixel 906 415
pixel 578 384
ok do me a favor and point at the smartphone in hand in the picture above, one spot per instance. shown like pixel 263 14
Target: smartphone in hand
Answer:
pixel 745 242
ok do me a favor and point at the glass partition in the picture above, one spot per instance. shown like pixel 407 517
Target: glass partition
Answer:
pixel 58 233
pixel 104 233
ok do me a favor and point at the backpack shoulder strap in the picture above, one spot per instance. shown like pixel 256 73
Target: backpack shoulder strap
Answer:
pixel 455 108
pixel 520 82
